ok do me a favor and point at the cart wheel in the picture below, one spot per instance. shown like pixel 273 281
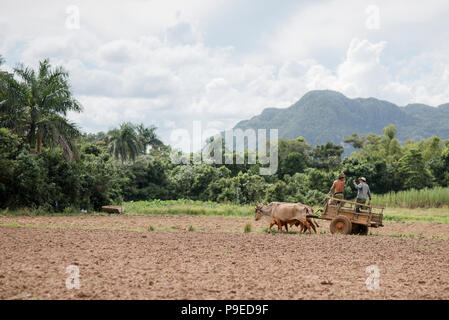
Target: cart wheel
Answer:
pixel 341 224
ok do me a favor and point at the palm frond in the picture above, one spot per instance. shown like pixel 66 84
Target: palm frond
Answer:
pixel 58 131
pixel 124 143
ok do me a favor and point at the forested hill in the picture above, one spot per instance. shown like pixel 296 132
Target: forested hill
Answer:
pixel 324 115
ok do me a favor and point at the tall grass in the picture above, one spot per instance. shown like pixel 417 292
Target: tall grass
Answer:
pixel 188 207
pixel 425 198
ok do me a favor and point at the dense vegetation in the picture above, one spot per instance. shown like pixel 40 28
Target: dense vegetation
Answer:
pixel 46 163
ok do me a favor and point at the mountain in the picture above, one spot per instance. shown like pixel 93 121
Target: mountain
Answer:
pixel 324 115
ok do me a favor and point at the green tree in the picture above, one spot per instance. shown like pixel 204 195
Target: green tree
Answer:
pixel 204 176
pixel 249 188
pixel 242 189
pixel 102 181
pixel 35 107
pixel 375 170
pixel 443 178
pixel 222 190
pixel 439 170
pixel 390 131
pixel 355 140
pixel 413 171
pixel 124 143
pixel 373 147
pixel 431 148
pixel 277 192
pixel 327 156
pixel 293 163
pixel 392 148
pixel 288 146
pixel 9 149
pixel 445 156
pixel 148 138
pixel 384 146
pixel 319 180
pixel 148 180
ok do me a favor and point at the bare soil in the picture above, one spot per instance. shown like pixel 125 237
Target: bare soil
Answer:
pixel 212 224
pixel 118 258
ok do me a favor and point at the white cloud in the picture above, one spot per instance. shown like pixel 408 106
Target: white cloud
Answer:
pixel 362 73
pixel 320 27
pixel 183 33
pixel 148 61
pixel 175 85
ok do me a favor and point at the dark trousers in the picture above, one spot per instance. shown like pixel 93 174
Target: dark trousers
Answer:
pixel 357 207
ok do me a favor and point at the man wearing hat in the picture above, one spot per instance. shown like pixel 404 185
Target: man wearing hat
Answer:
pixel 362 192
pixel 338 186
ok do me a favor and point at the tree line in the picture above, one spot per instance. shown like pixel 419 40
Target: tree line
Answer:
pixel 47 163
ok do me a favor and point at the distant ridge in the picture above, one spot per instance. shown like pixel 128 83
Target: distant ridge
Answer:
pixel 325 115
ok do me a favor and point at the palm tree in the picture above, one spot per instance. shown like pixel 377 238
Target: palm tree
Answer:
pixel 124 142
pixel 11 114
pixel 148 137
pixel 36 107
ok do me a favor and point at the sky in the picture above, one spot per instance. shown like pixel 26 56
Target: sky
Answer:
pixel 171 63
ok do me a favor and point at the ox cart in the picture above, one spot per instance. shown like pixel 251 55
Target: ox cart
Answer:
pixel 345 220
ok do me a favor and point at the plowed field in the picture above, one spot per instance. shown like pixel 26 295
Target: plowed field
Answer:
pixel 118 257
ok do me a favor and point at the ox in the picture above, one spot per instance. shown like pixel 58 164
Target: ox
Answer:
pixel 299 224
pixel 282 213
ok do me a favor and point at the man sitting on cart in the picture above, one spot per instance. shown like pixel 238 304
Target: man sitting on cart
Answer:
pixel 362 192
pixel 338 186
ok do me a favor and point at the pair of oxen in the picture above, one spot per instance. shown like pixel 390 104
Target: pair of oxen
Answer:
pixel 284 214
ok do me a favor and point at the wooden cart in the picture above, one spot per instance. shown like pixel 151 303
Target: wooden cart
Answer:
pixel 345 220
pixel 112 209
